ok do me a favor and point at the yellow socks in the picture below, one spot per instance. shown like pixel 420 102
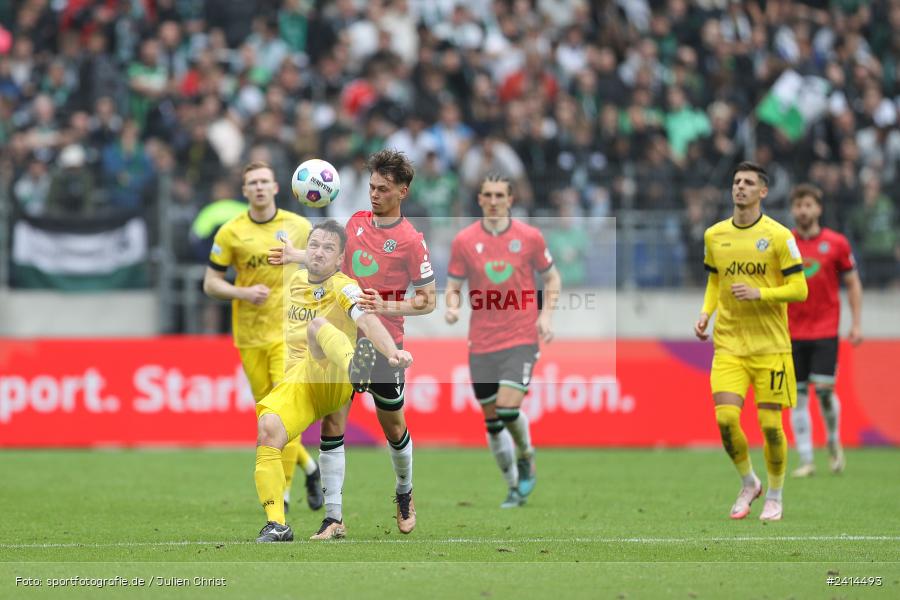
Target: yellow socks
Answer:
pixel 728 418
pixel 269 476
pixel 294 454
pixel 775 449
pixel 305 461
pixel 335 345
pixel 289 455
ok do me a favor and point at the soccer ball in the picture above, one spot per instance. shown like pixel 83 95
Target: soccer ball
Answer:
pixel 316 183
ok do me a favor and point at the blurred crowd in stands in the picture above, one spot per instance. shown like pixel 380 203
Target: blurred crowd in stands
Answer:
pixel 593 108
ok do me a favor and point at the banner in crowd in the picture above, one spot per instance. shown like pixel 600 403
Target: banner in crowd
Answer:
pixel 108 253
pixel 794 103
pixel 191 391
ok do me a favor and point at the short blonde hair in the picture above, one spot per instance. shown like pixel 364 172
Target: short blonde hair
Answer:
pixel 256 164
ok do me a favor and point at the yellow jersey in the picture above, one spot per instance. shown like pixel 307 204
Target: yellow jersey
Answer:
pixel 760 255
pixel 333 299
pixel 244 244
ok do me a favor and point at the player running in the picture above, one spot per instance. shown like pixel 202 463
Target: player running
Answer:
pixel 498 257
pixel 827 260
pixel 323 314
pixel 386 255
pixel 256 299
pixel 754 268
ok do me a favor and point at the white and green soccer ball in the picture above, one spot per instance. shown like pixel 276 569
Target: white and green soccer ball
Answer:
pixel 316 183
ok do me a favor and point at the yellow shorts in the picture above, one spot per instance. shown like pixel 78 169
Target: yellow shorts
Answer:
pixel 264 366
pixel 311 390
pixel 771 375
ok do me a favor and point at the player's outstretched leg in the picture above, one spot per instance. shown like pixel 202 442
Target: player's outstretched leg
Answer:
pixel 801 423
pixel 775 452
pixel 728 417
pixel 831 410
pixel 332 464
pixel 359 369
pixel 326 339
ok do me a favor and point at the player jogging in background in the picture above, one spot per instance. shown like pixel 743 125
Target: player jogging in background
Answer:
pixel 386 255
pixel 324 369
pixel 257 299
pixel 498 256
pixel 754 268
pixel 827 259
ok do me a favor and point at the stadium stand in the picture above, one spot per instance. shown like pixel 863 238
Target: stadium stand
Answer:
pixel 130 117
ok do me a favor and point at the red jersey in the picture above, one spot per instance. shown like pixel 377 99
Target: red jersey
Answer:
pixel 500 269
pixel 826 258
pixel 388 259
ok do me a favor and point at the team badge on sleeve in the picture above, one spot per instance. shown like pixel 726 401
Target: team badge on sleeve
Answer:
pixel 216 249
pixel 547 255
pixel 352 292
pixel 425 269
pixel 792 247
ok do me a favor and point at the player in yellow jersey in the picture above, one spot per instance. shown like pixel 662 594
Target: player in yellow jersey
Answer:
pixel 324 370
pixel 257 299
pixel 755 269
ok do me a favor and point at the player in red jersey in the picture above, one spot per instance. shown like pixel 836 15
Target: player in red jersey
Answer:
pixel 498 256
pixel 827 260
pixel 385 254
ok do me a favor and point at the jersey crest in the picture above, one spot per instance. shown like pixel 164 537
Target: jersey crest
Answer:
pixel 364 264
pixel 498 271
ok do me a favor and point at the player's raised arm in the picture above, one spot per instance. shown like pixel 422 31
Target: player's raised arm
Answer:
pixel 373 329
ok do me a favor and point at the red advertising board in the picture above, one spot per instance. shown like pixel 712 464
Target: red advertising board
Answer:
pixel 191 391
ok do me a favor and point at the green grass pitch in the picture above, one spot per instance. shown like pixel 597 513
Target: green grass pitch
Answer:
pixel 617 524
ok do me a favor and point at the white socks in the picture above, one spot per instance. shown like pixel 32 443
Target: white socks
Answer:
pixel 402 460
pixel 332 467
pixel 517 424
pixel 801 423
pixel 501 445
pixel 831 410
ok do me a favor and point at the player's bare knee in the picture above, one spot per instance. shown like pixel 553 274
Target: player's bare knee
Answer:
pixel 393 424
pixel 490 410
pixel 270 432
pixel 332 425
pixel 727 415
